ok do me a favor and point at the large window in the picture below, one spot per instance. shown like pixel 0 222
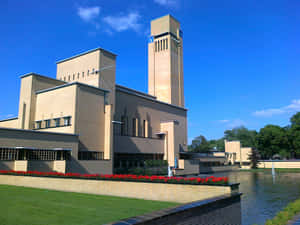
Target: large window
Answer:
pixel 145 129
pixel 57 122
pixel 90 155
pixel 135 130
pixel 38 124
pixel 67 121
pixel 47 123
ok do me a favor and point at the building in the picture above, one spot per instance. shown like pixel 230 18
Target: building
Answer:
pixel 84 122
pixel 236 154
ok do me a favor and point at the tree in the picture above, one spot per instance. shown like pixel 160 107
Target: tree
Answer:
pixel 294 135
pixel 271 140
pixel 242 134
pixel 254 157
pixel 199 144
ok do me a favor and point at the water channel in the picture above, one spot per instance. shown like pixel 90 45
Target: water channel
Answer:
pixel 263 195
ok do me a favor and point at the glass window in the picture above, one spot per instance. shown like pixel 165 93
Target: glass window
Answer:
pixel 74 76
pixel 47 123
pixel 167 43
pixel 135 130
pixel 38 124
pixel 57 122
pixel 82 74
pixel 67 121
pixel 78 76
pixel 156 46
pixel 88 73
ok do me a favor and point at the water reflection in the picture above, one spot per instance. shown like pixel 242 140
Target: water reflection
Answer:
pixel 263 196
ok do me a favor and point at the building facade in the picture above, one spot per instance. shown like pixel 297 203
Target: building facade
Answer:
pixel 84 122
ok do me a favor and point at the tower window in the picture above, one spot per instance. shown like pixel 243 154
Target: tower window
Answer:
pixel 135 127
pixel 166 43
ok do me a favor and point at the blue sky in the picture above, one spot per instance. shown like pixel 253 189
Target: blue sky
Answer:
pixel 241 58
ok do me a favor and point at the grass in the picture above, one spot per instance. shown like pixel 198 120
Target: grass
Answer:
pixel 286 214
pixel 31 206
pixel 281 170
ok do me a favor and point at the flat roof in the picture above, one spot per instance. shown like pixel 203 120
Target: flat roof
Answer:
pixel 70 84
pixel 35 131
pixel 84 53
pixel 145 96
pixel 42 76
pixel 14 118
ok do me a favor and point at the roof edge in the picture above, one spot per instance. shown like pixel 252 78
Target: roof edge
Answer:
pixel 84 53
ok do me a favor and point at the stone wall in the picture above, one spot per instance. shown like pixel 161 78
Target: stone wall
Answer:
pixel 151 191
pixel 220 210
pixel 279 164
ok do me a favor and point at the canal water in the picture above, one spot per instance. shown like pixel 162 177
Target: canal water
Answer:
pixel 264 196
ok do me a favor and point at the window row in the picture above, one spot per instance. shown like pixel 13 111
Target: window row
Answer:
pixel 133 128
pixel 51 123
pixel 43 155
pixel 78 75
pixel 161 45
pixel 90 155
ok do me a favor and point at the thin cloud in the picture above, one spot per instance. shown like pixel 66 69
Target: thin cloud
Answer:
pixel 124 22
pixel 167 3
pixel 293 107
pixel 233 123
pixel 88 14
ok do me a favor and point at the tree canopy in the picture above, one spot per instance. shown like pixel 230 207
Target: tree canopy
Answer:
pixel 270 140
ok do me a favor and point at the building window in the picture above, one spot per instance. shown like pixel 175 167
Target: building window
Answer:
pixel 67 121
pixel 69 78
pixel 124 125
pixel 88 73
pixel 57 122
pixel 135 130
pixel 167 43
pixel 64 78
pixel 145 130
pixel 155 46
pixel 82 74
pixel 78 76
pixel 74 76
pixel 164 44
pixel 47 123
pixel 90 155
pixel 93 71
pixel 160 45
pixel 38 124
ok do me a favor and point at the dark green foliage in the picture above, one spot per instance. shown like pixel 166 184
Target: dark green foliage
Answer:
pixel 242 134
pixel 271 140
pixel 254 157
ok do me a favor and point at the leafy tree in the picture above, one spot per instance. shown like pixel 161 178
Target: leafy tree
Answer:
pixel 199 144
pixel 254 157
pixel 242 134
pixel 271 140
pixel 294 135
pixel 295 119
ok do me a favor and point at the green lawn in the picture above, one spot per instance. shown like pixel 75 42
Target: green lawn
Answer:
pixel 30 206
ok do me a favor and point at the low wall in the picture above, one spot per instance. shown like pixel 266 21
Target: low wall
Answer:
pixel 279 164
pixel 151 191
pixel 224 209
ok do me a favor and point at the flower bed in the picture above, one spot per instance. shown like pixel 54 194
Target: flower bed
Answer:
pixel 128 177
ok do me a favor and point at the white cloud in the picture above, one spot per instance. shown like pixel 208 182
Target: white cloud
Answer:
pixel 124 22
pixel 293 107
pixel 88 14
pixel 167 3
pixel 233 123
